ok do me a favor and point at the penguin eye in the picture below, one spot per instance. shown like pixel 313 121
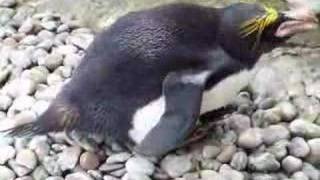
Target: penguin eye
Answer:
pixel 258 24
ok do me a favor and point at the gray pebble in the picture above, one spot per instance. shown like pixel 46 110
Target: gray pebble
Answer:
pixel 7 3
pixel 210 152
pixel 263 162
pixel 267 103
pixel 55 178
pixel 135 176
pixel 291 164
pixel 211 175
pixel 118 158
pixel 27 158
pixel 51 165
pixel 140 166
pixel 69 158
pixel 311 171
pixel 228 173
pixel 288 110
pixel 211 164
pixel 6 173
pixel 259 176
pixel 95 174
pixel 50 25
pixel 271 116
pixel 5 15
pixel 78 176
pixel 304 128
pixel 52 61
pixel 72 60
pixel 279 149
pixel 239 122
pixel 239 161
pixel 6 152
pixel 275 133
pixel 298 147
pixel 227 152
pixel 250 138
pixel 118 173
pixel 314 155
pixel 299 176
pixel 39 173
pixel 176 166
pixel 110 167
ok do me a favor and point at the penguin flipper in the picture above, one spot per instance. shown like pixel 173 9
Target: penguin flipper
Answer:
pixel 183 95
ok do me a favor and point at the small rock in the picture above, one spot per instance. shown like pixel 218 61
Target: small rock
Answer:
pixel 107 177
pixel 52 61
pixel 25 178
pixel 50 25
pixel 275 133
pixel 27 158
pixel 291 164
pixel 267 103
pixel 39 173
pixel 21 59
pixel 39 74
pixel 51 165
pixel 40 107
pixel 89 160
pixel 5 15
pixel 6 152
pixel 6 174
pixel 272 116
pixel 259 176
pixel 54 79
pixel 210 152
pixel 135 176
pixel 7 3
pixel 118 173
pixel 26 26
pixel 279 149
pixel 239 123
pixel 176 166
pixel 304 128
pixel 288 111
pixel 40 146
pixel 239 161
pixel 137 165
pixel 227 153
pixel 72 60
pixel 22 103
pixel 211 175
pixel 30 40
pixel 118 158
pixel 78 176
pixel 229 138
pixel 250 138
pixel 45 44
pixel 310 171
pixel 211 164
pixel 21 87
pixel 80 40
pixel 68 159
pixel 5 102
pixel 66 49
pixel 263 162
pixel 228 173
pixel 20 170
pixel 298 147
pixel 63 28
pixel 299 176
pixel 314 155
pixel 55 178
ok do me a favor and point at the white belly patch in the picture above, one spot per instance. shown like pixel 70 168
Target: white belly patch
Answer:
pixel 147 117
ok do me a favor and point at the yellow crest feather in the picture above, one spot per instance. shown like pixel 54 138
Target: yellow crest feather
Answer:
pixel 259 23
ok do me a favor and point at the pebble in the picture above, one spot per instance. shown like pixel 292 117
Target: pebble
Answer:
pixel 7 3
pixel 26 26
pixel 52 61
pixel 5 102
pixel 80 40
pixel 110 167
pixel 51 165
pixel 275 133
pixel 227 152
pixel 263 162
pixel 279 149
pixel 20 58
pixel 176 166
pixel 314 155
pixel 107 177
pixel 211 164
pixel 211 175
pixel 5 15
pixel 72 60
pixel 6 152
pixel 299 176
pixel 40 107
pixel 22 103
pixel 78 176
pixel 45 44
pixel 40 173
pixel 30 40
pixel 271 116
pixel 250 138
pixel 27 158
pixel 69 158
pixel 21 87
pixel 89 160
pixel 25 178
pixel 298 147
pixel 55 178
pixel 228 173
pixel 140 166
pixel 49 25
pixel 259 176
pixel 288 111
pixel 54 79
pixel 291 164
pixel 40 145
pixel 39 74
pixel 66 49
pixel 118 158
pixel 135 176
pixel 311 171
pixel 210 152
pixel 304 128
pixel 239 161
pixel 6 173
pixel 20 170
pixel 239 122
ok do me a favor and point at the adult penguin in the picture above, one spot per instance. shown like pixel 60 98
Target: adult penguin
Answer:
pixel 142 80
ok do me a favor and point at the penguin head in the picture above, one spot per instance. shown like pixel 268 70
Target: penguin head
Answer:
pixel 247 30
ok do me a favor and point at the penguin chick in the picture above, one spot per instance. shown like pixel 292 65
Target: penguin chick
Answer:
pixel 142 80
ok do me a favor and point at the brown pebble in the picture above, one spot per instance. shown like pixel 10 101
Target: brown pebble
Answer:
pixel 89 160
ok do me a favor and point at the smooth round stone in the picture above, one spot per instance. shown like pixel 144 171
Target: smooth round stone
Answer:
pixel 211 164
pixel 40 146
pixel 275 133
pixel 21 87
pixel 260 176
pixel 30 40
pixel 264 162
pixel 314 155
pixel 228 173
pixel 27 26
pixel 250 138
pixel 72 60
pixel 39 74
pixel 22 103
pixel 38 56
pixel 54 79
pixel 288 111
pixel 118 158
pixel 239 161
pixel 45 44
pixel 227 152
pixel 211 175
pixel 78 176
pixel 7 3
pixel 6 173
pixel 176 166
pixel 118 173
pixel 55 178
pixel 6 152
pixel 19 170
pixel 39 173
pixel 298 147
pixel 81 40
pixel 312 172
pixel 299 176
pixel 52 61
pixel 66 49
pixel 25 178
pixel 27 158
pixel 304 128
pixel 63 28
pixel 279 149
pixel 89 160
pixel 50 25
pixel 272 116
pixel 210 152
pixel 137 165
pixel 239 123
pixel 267 103
pixel 135 176
pixel 5 102
pixel 21 59
pixel 291 164
pixel 69 158
pixel 51 165
pixel 44 34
